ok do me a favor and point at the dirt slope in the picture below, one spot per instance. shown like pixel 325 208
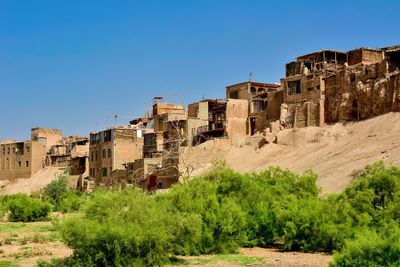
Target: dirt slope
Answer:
pixel 335 152
pixel 32 184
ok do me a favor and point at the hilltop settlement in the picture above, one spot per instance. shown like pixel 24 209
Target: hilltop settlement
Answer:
pixel 323 87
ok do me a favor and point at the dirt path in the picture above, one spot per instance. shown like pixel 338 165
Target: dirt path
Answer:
pixel 276 258
pixel 262 257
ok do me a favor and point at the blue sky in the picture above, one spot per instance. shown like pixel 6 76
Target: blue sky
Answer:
pixel 74 64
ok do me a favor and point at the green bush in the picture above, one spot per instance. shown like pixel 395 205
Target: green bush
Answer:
pixel 27 209
pixel 4 206
pixel 71 201
pixel 119 229
pixel 56 189
pixel 224 210
pixel 219 222
pixel 371 248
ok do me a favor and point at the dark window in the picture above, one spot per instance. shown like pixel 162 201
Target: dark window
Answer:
pixel 310 89
pixel 234 95
pixel 104 153
pixel 104 172
pixel 27 163
pixel 308 65
pixel 160 185
pixel 294 87
pixel 107 136
pixel 352 77
pixel 27 149
pixel 19 163
pixel 109 153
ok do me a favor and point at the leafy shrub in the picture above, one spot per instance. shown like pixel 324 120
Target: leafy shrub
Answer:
pixel 3 206
pixel 224 210
pixel 119 229
pixel 219 222
pixel 56 189
pixel 371 248
pixel 27 209
pixel 71 201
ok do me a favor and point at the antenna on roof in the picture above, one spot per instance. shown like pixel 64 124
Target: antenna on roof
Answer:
pixel 157 99
pixel 248 83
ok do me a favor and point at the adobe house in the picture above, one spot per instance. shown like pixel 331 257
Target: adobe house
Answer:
pixel 330 86
pixel 165 119
pixel 207 120
pixel 264 100
pixel 23 159
pixel 110 149
pixel 165 134
pixel 49 136
pixel 140 170
pixel 226 118
pixel 72 151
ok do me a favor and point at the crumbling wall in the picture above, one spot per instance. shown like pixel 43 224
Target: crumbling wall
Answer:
pixel 360 92
pixel 350 93
pixel 237 111
pixel 275 99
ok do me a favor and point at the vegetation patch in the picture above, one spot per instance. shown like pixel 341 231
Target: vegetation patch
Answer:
pixel 8 264
pixel 221 211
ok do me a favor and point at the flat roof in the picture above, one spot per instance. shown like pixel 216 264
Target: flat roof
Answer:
pixel 391 48
pixel 212 100
pixel 365 48
pixel 114 128
pixel 276 85
pixel 321 51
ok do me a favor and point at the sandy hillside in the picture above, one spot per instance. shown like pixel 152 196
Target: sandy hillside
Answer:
pixel 29 185
pixel 335 152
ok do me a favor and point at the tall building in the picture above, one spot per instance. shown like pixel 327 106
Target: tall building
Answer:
pixel 22 159
pixel 111 149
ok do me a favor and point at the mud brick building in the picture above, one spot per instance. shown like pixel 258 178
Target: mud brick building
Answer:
pixel 110 149
pixel 23 159
pixel 264 101
pixel 72 151
pixel 330 86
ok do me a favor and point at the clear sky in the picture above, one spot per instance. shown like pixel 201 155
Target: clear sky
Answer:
pixel 74 64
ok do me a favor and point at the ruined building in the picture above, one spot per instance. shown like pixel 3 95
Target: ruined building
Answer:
pixel 330 86
pixel 72 151
pixel 264 101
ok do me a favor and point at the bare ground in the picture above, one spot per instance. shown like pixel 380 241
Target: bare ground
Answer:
pixel 23 244
pixel 29 185
pixel 263 257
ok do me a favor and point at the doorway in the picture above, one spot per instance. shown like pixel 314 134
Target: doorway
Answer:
pixel 252 126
